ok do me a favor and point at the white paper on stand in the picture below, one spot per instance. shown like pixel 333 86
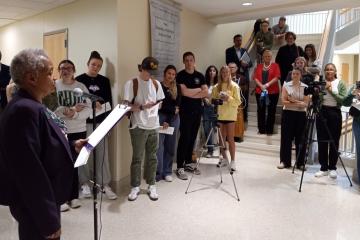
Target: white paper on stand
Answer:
pixel 116 114
pixel 104 108
pixel 169 130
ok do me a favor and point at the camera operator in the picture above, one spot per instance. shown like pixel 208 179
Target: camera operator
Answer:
pixel 293 119
pixel 227 92
pixel 330 111
pixel 354 93
pixel 266 77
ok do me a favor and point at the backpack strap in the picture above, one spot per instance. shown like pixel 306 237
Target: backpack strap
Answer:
pixel 155 84
pixel 135 89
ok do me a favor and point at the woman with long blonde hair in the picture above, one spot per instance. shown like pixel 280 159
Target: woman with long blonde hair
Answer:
pixel 227 91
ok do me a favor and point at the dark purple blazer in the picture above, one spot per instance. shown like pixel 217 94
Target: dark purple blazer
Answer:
pixel 36 166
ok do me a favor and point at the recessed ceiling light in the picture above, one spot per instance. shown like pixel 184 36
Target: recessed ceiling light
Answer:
pixel 247 4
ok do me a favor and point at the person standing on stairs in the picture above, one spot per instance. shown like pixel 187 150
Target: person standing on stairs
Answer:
pixel 266 77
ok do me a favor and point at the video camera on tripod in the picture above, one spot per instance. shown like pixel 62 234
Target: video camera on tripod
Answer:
pixel 314 88
pixel 215 102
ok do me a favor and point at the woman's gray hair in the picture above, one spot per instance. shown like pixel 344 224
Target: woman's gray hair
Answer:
pixel 27 61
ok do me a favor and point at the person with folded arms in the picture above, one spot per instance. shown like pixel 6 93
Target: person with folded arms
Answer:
pixel 293 120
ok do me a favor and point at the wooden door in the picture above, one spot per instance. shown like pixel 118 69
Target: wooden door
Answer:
pixel 55 45
pixel 345 73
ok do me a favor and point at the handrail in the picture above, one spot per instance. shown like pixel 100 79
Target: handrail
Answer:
pixel 347 142
pixel 325 36
pixel 347 16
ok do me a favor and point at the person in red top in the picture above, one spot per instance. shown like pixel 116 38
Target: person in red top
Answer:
pixel 266 77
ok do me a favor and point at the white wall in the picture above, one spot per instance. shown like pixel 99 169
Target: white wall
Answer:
pixel 207 40
pixel 91 26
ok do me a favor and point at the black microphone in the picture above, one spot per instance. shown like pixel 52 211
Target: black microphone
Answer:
pixel 80 93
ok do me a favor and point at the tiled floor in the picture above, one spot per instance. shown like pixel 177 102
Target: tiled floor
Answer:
pixel 270 207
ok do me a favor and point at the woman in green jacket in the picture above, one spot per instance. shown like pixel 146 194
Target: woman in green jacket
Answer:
pixel 331 114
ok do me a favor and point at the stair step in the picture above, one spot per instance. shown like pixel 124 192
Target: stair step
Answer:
pixel 258 148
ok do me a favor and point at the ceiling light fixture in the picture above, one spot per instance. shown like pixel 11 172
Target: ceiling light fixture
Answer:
pixel 247 4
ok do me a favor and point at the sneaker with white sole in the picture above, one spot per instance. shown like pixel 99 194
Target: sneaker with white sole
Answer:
pixel 152 193
pixel 85 191
pixel 321 173
pixel 64 207
pixel 75 203
pixel 109 193
pixel 333 174
pixel 134 193
pixel 168 178
pixel 232 165
pixel 180 173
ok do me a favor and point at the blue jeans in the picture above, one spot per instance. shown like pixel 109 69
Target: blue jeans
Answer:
pixel 356 131
pixel 166 151
pixel 208 117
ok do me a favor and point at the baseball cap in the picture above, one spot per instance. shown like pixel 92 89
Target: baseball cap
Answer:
pixel 150 65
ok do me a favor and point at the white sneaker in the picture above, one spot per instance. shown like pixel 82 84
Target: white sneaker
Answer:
pixel 321 173
pixel 109 193
pixel 333 174
pixel 85 191
pixel 168 178
pixel 75 203
pixel 152 193
pixel 64 207
pixel 232 165
pixel 134 193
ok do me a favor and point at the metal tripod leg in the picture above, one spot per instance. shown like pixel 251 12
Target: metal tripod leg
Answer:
pixel 332 143
pixel 220 145
pixel 198 160
pixel 308 143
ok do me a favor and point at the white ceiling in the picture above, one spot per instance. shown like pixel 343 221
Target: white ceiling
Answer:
pixel 14 10
pixel 217 11
pixel 225 11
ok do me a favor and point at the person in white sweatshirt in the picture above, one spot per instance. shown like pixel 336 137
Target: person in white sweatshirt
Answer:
pixel 74 110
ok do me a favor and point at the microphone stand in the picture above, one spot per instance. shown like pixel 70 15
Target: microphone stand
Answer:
pixel 94 189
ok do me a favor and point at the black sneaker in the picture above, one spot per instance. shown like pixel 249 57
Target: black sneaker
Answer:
pixel 190 168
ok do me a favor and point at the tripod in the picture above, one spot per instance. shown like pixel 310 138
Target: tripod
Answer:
pixel 220 143
pixel 314 113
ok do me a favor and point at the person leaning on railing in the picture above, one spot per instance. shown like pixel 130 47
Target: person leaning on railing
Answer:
pixel 330 112
pixel 228 91
pixel 354 93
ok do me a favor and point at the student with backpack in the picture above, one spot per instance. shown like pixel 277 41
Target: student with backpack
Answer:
pixel 144 95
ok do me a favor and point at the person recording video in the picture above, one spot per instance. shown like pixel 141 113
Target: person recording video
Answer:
pixel 293 119
pixel 266 77
pixel 227 93
pixel 330 111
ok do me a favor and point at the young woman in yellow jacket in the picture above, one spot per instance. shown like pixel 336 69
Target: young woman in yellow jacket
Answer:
pixel 227 91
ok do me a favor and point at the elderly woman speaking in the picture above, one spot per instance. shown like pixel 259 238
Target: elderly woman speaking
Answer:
pixel 35 159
